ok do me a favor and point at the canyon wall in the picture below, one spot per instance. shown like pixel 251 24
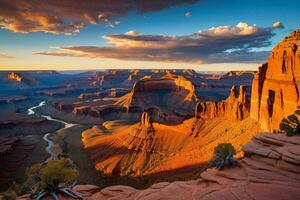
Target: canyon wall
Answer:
pixel 275 89
pixel 235 107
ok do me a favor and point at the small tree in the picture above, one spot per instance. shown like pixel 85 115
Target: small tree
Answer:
pixel 291 124
pixel 223 156
pixel 51 178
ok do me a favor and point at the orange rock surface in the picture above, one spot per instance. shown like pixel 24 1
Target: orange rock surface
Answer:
pixel 149 147
pixel 275 89
pixel 170 94
pixel 235 107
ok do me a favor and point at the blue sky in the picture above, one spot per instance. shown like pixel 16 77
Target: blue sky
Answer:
pixel 18 49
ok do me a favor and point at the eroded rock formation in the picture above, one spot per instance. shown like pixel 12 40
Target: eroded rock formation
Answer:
pixel 148 147
pixel 235 107
pixel 173 95
pixel 169 99
pixel 275 89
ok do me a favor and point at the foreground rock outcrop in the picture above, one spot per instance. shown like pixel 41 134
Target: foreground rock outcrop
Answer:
pixel 270 170
pixel 235 107
pixel 275 89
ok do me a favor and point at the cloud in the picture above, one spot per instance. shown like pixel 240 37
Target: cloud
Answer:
pixel 188 14
pixel 278 25
pixel 219 44
pixel 5 55
pixel 69 16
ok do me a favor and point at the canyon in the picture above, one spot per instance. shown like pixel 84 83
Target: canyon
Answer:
pixel 138 124
pixel 149 147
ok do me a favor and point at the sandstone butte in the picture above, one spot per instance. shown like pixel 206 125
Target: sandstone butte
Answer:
pixel 168 93
pixel 275 89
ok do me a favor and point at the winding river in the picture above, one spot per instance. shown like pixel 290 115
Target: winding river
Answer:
pixel 50 143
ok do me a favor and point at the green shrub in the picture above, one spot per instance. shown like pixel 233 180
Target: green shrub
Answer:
pixel 291 124
pixel 51 178
pixel 223 156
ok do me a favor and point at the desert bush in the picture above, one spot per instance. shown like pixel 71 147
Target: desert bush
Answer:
pixel 223 156
pixel 51 178
pixel 291 125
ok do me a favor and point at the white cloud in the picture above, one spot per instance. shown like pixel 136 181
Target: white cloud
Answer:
pixel 188 14
pixel 239 43
pixel 278 25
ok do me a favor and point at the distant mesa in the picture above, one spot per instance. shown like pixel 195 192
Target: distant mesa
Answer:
pixel 170 94
pixel 275 89
pixel 127 78
pixel 169 99
pixel 22 78
pixel 239 73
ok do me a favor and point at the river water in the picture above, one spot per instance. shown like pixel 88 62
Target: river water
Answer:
pixel 50 143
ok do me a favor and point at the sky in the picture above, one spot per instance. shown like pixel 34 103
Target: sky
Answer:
pixel 206 35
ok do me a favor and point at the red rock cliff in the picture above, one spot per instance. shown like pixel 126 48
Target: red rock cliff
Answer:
pixel 275 89
pixel 235 107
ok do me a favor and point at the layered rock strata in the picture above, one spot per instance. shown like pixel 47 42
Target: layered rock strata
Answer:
pixel 169 99
pixel 235 107
pixel 275 89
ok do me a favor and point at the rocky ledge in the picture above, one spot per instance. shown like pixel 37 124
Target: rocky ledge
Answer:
pixel 269 170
